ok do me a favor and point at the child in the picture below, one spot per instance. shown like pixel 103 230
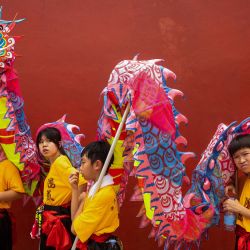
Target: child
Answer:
pixel 56 234
pixel 96 218
pixel 239 150
pixel 11 188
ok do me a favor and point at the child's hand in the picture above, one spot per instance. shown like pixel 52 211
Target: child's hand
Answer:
pixel 230 190
pixel 232 205
pixel 74 179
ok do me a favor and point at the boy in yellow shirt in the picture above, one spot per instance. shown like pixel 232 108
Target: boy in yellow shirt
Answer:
pixel 239 150
pixel 11 188
pixel 96 218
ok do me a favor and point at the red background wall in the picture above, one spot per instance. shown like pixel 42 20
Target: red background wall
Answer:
pixel 70 47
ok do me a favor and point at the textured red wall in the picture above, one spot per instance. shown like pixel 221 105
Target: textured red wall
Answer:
pixel 70 47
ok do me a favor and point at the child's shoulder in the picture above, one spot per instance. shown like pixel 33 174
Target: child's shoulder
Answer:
pixel 62 161
pixel 8 167
pixel 106 194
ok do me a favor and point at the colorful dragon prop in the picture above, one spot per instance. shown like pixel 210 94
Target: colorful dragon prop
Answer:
pixel 147 149
pixel 215 170
pixel 15 136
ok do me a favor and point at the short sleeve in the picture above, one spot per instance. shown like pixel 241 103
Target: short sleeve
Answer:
pixel 13 179
pixel 64 168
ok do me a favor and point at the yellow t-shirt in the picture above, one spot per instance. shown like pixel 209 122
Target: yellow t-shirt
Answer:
pixel 9 180
pixel 245 201
pixel 99 215
pixel 57 189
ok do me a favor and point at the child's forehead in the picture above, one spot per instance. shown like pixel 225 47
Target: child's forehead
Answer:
pixel 242 150
pixel 44 137
pixel 85 157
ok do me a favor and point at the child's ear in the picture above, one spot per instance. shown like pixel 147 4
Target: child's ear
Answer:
pixel 98 165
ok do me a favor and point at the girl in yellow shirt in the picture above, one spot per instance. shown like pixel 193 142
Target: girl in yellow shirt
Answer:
pixel 57 192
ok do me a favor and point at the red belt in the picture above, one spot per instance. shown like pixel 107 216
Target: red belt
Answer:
pixel 100 239
pixel 57 235
pixel 244 238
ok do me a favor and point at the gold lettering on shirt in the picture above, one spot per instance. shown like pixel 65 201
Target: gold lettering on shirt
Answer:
pixel 49 198
pixel 51 183
pixel 247 205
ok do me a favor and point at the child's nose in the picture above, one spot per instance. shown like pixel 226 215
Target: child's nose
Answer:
pixel 241 159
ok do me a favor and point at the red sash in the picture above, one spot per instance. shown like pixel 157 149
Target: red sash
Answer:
pixel 100 239
pixel 57 235
pixel 243 238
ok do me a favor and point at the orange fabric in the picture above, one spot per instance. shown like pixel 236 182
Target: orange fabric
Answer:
pixel 9 180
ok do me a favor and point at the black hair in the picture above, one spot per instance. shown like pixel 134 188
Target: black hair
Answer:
pixel 239 142
pixel 97 150
pixel 54 135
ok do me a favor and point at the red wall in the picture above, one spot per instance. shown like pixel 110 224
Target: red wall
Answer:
pixel 70 47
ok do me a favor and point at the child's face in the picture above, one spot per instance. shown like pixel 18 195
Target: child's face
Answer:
pixel 242 160
pixel 87 169
pixel 47 148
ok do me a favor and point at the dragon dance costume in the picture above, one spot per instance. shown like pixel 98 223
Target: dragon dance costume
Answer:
pixel 149 146
pixel 147 149
pixel 15 139
pixel 15 136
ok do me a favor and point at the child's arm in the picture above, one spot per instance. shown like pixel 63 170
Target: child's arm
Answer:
pixel 9 195
pixel 235 207
pixel 82 193
pixel 79 210
pixel 73 180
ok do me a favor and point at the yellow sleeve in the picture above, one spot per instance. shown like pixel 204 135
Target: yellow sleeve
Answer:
pixel 13 179
pixel 82 181
pixel 65 169
pixel 86 223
